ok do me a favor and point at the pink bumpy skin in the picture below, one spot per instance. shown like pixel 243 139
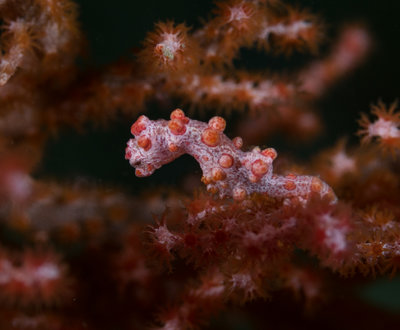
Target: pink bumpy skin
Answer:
pixel 227 170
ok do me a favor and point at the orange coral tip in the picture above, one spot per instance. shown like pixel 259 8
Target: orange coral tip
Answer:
pixel 225 161
pixel 177 126
pixel 217 123
pixel 179 114
pixel 144 142
pixel 269 152
pixel 259 167
pixel 139 125
pixel 238 142
pixel 210 137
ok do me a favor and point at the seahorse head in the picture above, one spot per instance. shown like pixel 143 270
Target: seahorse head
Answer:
pixel 150 149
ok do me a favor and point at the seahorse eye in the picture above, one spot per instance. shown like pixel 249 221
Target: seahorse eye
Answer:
pixel 136 163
